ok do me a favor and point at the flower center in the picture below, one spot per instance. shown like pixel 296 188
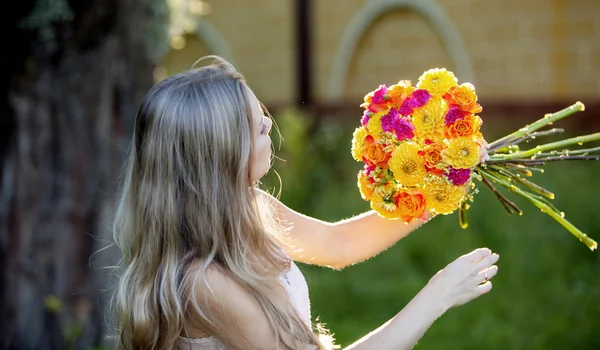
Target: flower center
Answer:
pixel 440 196
pixel 409 167
pixel 464 152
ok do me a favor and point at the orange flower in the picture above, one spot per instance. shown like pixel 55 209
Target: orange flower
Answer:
pixel 410 205
pixel 373 153
pixel 432 156
pixel 465 127
pixel 399 92
pixel 405 205
pixel 464 97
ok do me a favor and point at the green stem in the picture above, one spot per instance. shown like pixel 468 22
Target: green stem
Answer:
pixel 524 138
pixel 523 170
pixel 542 160
pixel 571 152
pixel 506 203
pixel 548 119
pixel 462 215
pixel 509 180
pixel 531 185
pixel 545 208
pixel 547 147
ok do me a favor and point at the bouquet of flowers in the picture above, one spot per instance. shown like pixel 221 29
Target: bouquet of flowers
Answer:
pixel 422 148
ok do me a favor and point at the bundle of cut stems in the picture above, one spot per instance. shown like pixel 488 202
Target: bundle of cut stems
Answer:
pixel 510 167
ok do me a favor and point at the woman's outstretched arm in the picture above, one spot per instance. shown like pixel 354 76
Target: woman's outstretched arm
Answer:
pixel 342 243
pixel 460 282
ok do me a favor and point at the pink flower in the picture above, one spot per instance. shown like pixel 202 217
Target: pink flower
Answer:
pixel 379 95
pixel 453 114
pixel 400 126
pixel 404 129
pixel 388 120
pixel 368 169
pixel 459 176
pixel 419 98
pixel 405 108
pixel 366 117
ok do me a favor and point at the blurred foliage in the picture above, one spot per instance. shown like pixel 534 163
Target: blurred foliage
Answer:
pixel 72 330
pixel 547 292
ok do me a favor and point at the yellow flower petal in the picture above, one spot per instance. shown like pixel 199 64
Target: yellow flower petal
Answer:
pixel 407 165
pixel 437 81
pixel 444 198
pixel 462 153
pixel 385 207
pixel 429 120
pixel 358 140
pixel 374 125
pixel 365 186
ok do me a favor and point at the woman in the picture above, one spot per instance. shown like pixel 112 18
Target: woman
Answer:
pixel 207 258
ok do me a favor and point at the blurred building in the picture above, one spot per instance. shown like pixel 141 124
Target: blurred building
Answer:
pixel 519 54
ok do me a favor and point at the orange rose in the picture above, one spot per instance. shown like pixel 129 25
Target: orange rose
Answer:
pixel 467 126
pixel 432 156
pixel 464 97
pixel 399 92
pixel 373 153
pixel 410 205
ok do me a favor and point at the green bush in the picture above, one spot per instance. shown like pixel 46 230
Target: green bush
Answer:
pixel 547 292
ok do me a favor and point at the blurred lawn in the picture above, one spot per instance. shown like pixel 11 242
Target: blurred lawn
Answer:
pixel 547 292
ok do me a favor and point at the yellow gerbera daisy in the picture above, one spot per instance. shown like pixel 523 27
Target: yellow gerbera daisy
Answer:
pixel 462 153
pixel 429 120
pixel 437 81
pixel 444 198
pixel 374 125
pixel 358 140
pixel 407 165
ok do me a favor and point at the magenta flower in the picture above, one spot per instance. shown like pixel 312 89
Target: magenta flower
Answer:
pixel 388 121
pixel 459 176
pixel 368 169
pixel 454 113
pixel 419 98
pixel 400 126
pixel 366 117
pixel 404 129
pixel 405 108
pixel 379 95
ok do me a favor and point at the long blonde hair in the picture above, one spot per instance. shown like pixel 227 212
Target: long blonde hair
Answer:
pixel 187 197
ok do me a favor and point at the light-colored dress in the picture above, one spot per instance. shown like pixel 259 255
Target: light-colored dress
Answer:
pixel 297 289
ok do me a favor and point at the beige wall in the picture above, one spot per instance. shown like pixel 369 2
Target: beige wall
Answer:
pixel 519 49
pixel 260 36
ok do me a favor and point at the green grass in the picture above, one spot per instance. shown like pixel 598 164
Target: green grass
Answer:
pixel 545 296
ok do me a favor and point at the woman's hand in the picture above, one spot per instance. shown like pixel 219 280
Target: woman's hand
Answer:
pixel 458 283
pixel 464 279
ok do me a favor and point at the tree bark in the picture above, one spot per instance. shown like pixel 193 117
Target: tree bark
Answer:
pixel 68 95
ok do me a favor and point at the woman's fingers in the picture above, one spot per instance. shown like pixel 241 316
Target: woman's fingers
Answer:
pixel 487 274
pixel 477 254
pixel 484 288
pixel 486 262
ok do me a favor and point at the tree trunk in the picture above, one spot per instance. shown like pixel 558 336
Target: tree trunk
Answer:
pixel 70 85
